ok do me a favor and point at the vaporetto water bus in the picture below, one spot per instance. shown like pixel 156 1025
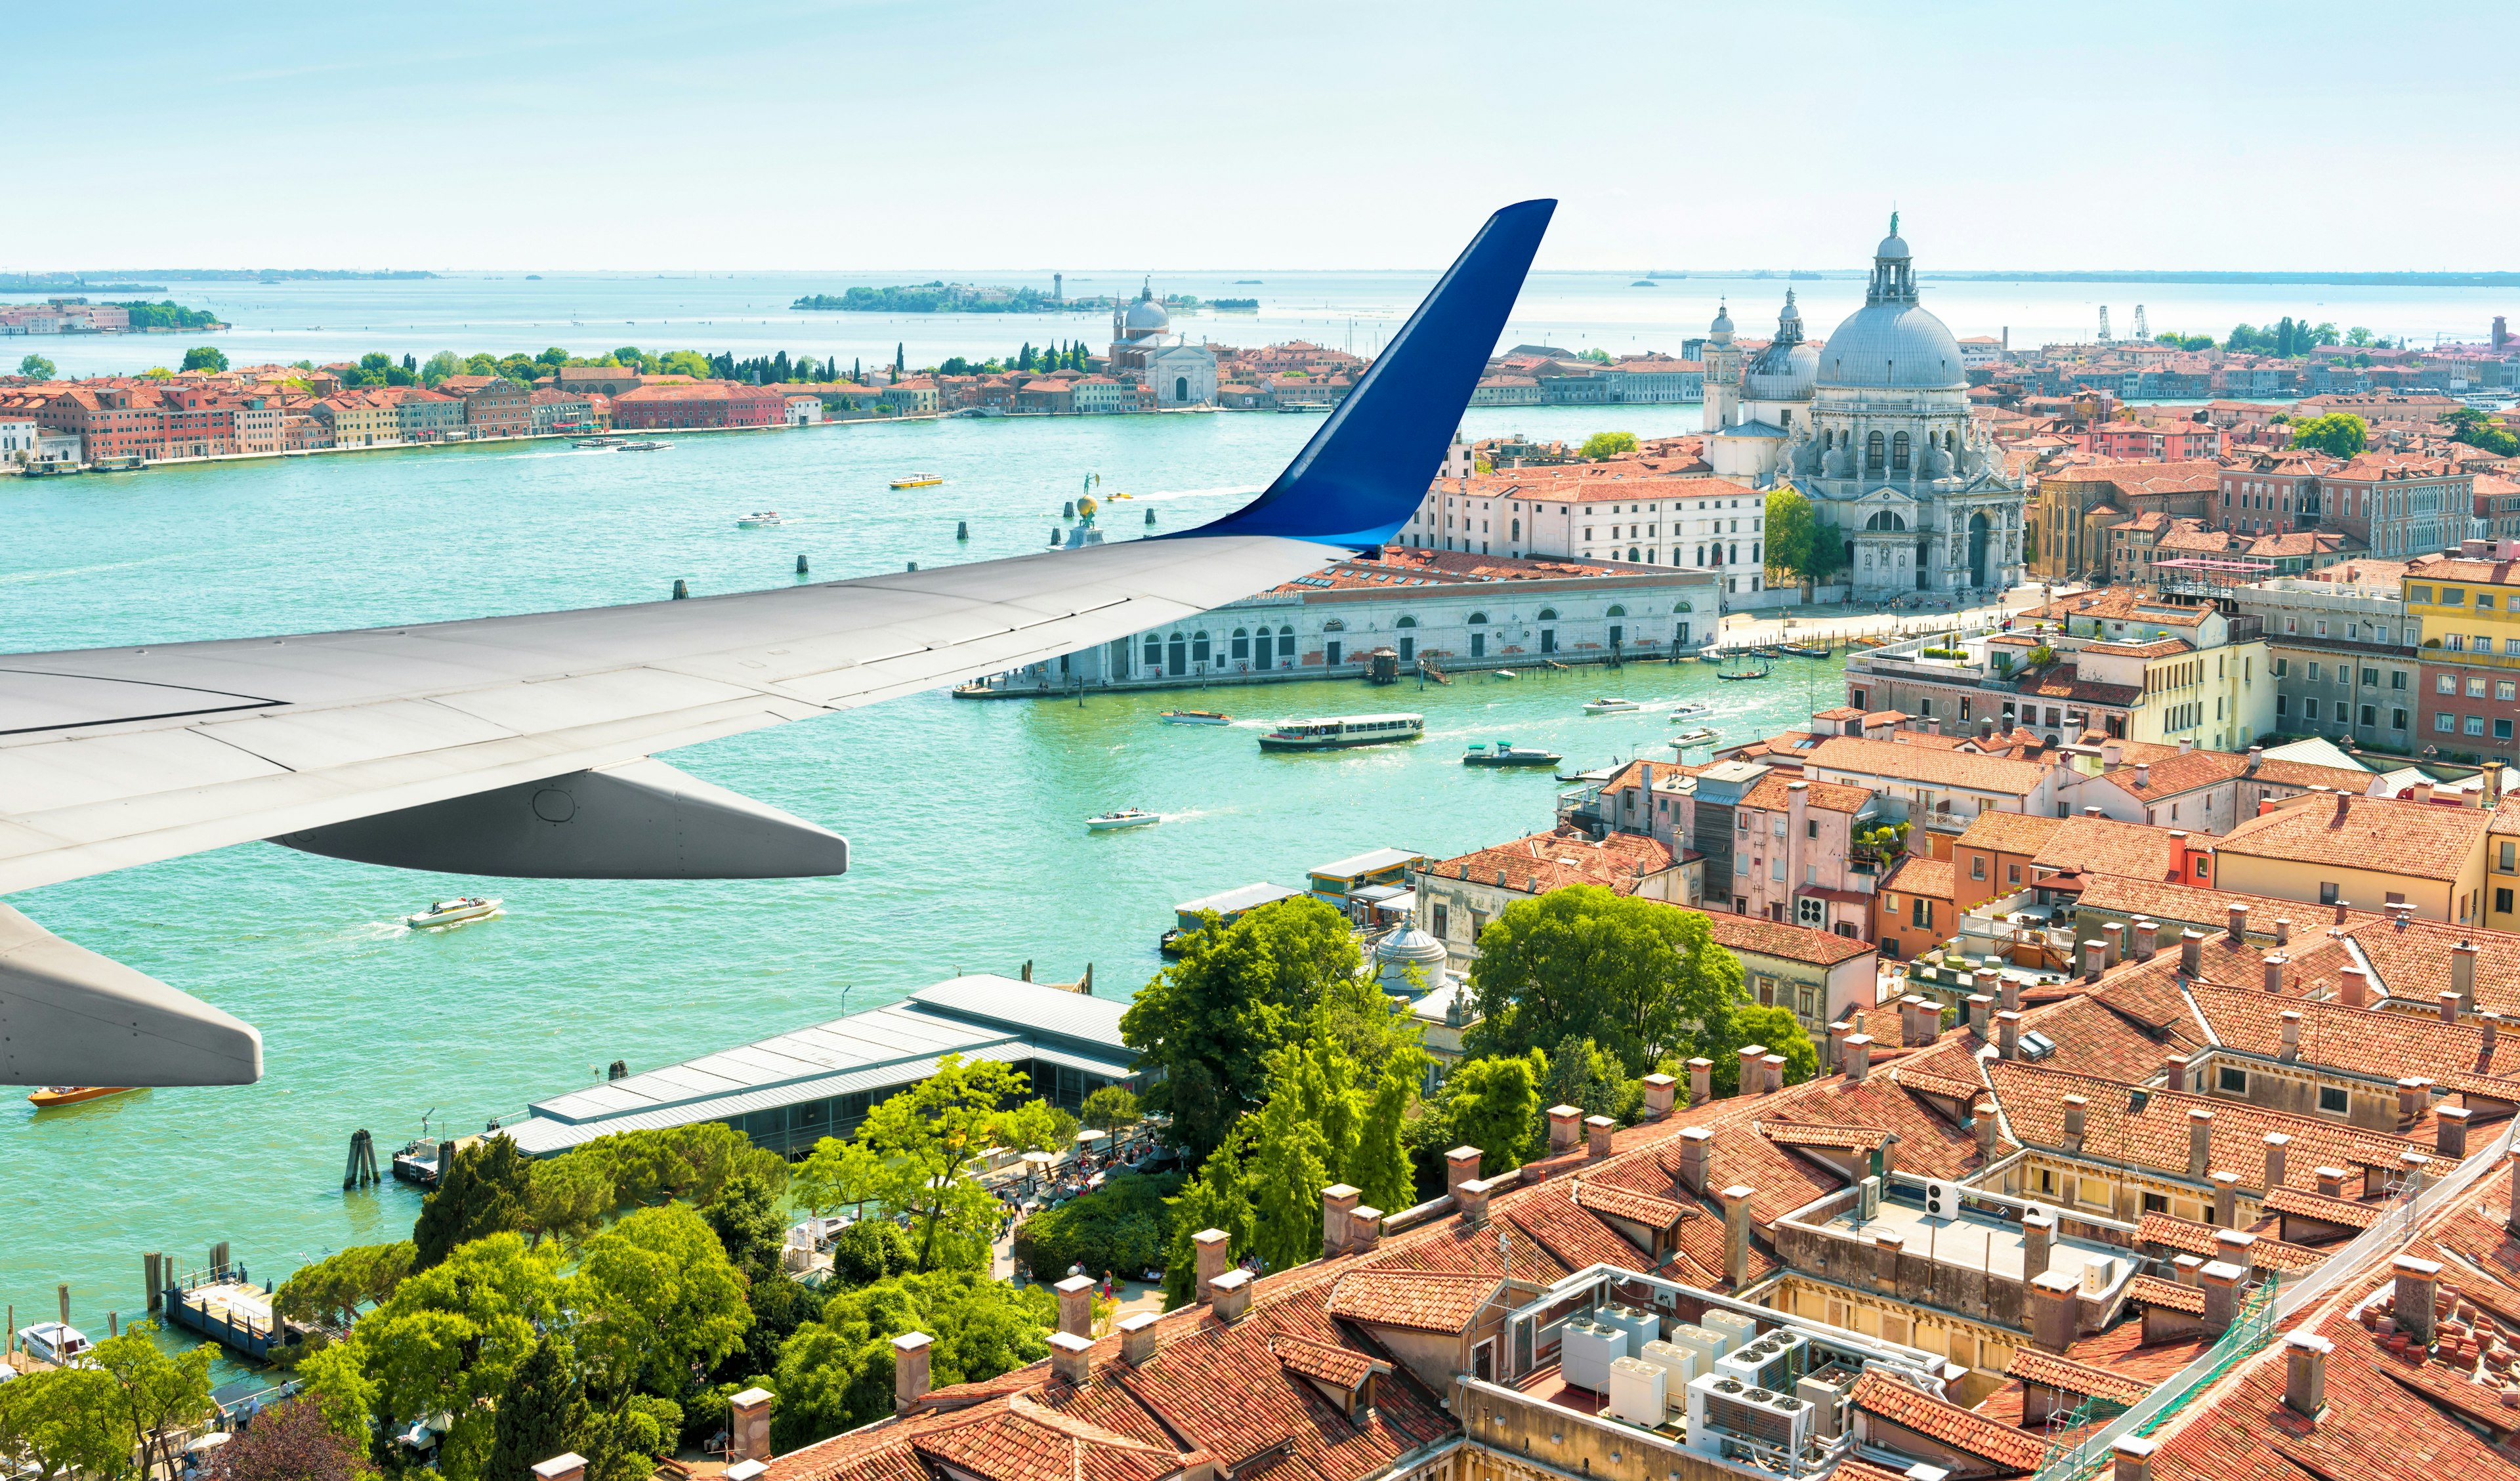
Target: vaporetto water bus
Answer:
pixel 1337 730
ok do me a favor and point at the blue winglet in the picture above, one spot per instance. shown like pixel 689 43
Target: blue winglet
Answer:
pixel 1365 471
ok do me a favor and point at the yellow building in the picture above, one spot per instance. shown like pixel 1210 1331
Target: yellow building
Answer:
pixel 2470 687
pixel 357 420
pixel 2502 868
pixel 2370 853
pixel 2218 698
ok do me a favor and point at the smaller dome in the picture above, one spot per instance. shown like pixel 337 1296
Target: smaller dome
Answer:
pixel 1723 324
pixel 1406 947
pixel 1147 314
pixel 1893 247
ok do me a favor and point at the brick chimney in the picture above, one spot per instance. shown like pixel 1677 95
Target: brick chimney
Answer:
pixel 2192 952
pixel 1920 1020
pixel 1233 1292
pixel 1338 1201
pixel 2236 922
pixel 1737 1234
pixel 2220 1282
pixel 2278 1146
pixel 2450 1138
pixel 1701 1081
pixel 2274 972
pixel 1214 1255
pixel 2330 1181
pixel 1660 1090
pixel 1696 1156
pixel 1881 1260
pixel 2413 1300
pixel 2184 1268
pixel 2007 1035
pixel 2354 987
pixel 748 1425
pixel 2492 1025
pixel 2053 1318
pixel 1597 1135
pixel 1834 1056
pixel 2283 930
pixel 1076 1305
pixel 2200 1140
pixel 2131 1458
pixel 1748 1083
pixel 2038 1241
pixel 1364 1227
pixel 2148 938
pixel 910 1357
pixel 1137 1338
pixel 2306 1373
pixel 1461 1165
pixel 2074 1121
pixel 2007 993
pixel 2227 1198
pixel 2113 936
pixel 2174 1072
pixel 1982 1118
pixel 2448 1006
pixel 1562 1121
pixel 1474 1198
pixel 1858 1063
pixel 1981 1017
pixel 2411 1102
pixel 1071 1358
pixel 2094 960
pixel 2290 1048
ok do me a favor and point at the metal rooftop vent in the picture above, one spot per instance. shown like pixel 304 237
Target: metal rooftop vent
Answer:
pixel 2037 1046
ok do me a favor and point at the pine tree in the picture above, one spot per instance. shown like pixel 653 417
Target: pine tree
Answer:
pixel 857 371
pixel 539 1416
pixel 1287 1173
pixel 1381 1169
pixel 1217 1198
pixel 900 358
pixel 482 1194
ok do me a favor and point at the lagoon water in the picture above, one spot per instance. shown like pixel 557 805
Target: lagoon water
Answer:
pixel 967 817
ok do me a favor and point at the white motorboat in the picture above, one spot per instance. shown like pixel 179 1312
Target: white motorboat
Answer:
pixel 1333 731
pixel 1611 707
pixel 457 912
pixel 55 1342
pixel 1702 736
pixel 1127 817
pixel 1193 717
pixel 760 519
pixel 1688 708
pixel 1506 673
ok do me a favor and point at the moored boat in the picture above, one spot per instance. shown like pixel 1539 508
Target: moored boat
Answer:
pixel 456 911
pixel 760 519
pixel 1333 731
pixel 72 1094
pixel 1610 706
pixel 1755 673
pixel 1805 650
pixel 1127 817
pixel 1506 753
pixel 1702 736
pixel 55 1342
pixel 1597 775
pixel 1193 717
pixel 1506 673
pixel 919 480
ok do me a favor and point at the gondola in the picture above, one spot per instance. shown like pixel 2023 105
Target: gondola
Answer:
pixel 1755 673
pixel 1804 650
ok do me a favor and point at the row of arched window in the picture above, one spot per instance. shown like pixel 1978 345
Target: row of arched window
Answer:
pixel 1896 447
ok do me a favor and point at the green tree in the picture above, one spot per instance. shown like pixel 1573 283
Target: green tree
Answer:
pixel 330 1291
pixel 157 1398
pixel 2472 426
pixel 870 1250
pixel 2358 337
pixel 1289 1169
pixel 1799 545
pixel 624 1443
pixel 684 362
pixel 1123 1226
pixel 481 1193
pixel 751 1225
pixel 1207 1024
pixel 1637 977
pixel 1037 1126
pixel 653 1299
pixel 1602 446
pixel 566 1198
pixel 691 1162
pixel 1494 1104
pixel 2339 434
pixel 443 364
pixel 1217 1198
pixel 1381 1169
pixel 835 1373
pixel 1775 1028
pixel 542 1415
pixel 36 367
pixel 1597 355
pixel 65 1420
pixel 1111 1108
pixel 1582 1076
pixel 910 1158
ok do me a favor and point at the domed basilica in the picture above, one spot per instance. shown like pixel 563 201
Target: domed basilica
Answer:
pixel 1873 426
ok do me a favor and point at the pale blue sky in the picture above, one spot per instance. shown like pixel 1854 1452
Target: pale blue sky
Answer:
pixel 788 134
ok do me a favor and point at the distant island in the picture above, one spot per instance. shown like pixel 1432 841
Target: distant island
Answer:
pixel 167 314
pixel 931 298
pixel 53 283
pixel 264 274
pixel 1231 305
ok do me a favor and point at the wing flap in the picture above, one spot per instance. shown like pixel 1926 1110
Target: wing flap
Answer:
pixel 72 774
pixel 314 739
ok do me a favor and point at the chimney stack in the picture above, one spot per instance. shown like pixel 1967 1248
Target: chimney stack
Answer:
pixel 1339 1200
pixel 1771 1072
pixel 2192 952
pixel 1701 1081
pixel 1562 1121
pixel 2074 1122
pixel 2054 1297
pixel 2511 1191
pixel 1137 1338
pixel 2174 1072
pixel 2131 1458
pixel 1233 1291
pixel 910 1368
pixel 2200 1140
pixel 1660 1090
pixel 2236 922
pixel 1834 1057
pixel 2227 1199
pixel 2220 1282
pixel 747 1425
pixel 2148 938
pixel 2411 1302
pixel 1748 1082
pixel 2095 959
pixel 2008 1036
pixel 2277 1144
pixel 2290 1050
pixel 2274 972
pixel 1920 1020
pixel 2186 1267
pixel 1981 1017
pixel 2009 994
pixel 2462 974
pixel 1461 1165
pixel 1696 1156
pixel 2491 1024
pixel 1076 1305
pixel 1213 1257
pixel 1982 1115
pixel 1474 1198
pixel 2411 1102
pixel 2037 1239
pixel 1364 1228
pixel 1858 1056
pixel 2450 1132
pixel 2448 1006
pixel 2306 1373
pixel 2113 935
pixel 1597 1135
pixel 2354 987
pixel 1071 1358
pixel 2331 1180
pixel 1737 1234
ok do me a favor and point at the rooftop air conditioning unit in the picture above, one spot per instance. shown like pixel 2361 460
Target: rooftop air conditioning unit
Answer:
pixel 1732 1325
pixel 1707 1345
pixel 1585 1352
pixel 1723 1409
pixel 1774 1362
pixel 1942 1199
pixel 1640 1392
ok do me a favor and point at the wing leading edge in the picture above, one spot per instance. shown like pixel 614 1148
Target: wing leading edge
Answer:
pixel 521 745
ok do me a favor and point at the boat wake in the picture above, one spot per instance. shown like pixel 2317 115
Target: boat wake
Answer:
pixel 1169 495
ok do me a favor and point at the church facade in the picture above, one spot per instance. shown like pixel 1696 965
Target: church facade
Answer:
pixel 1872 426
pixel 1181 374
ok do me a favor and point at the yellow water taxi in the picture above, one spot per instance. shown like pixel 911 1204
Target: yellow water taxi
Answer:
pixel 919 480
pixel 72 1094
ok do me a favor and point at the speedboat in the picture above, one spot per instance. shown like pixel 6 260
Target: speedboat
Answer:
pixel 1607 706
pixel 1506 673
pixel 1702 736
pixel 1127 817
pixel 919 480
pixel 760 519
pixel 1688 707
pixel 72 1094
pixel 645 447
pixel 1193 717
pixel 1505 754
pixel 597 443
pixel 54 1342
pixel 454 912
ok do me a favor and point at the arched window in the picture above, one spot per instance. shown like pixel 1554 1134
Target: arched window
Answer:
pixel 1517 529
pixel 1180 387
pixel 1549 614
pixel 1198 648
pixel 1885 519
pixel 1899 453
pixel 1873 445
pixel 1155 652
pixel 1334 625
pixel 1632 553
pixel 1686 606
pixel 1408 622
pixel 1286 632
pixel 1617 610
pixel 1701 555
pixel 1242 645
pixel 1951 442
pixel 1478 618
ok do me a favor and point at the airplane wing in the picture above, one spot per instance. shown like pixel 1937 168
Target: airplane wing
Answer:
pixel 521 746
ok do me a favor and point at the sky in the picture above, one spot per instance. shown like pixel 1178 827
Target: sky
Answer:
pixel 850 135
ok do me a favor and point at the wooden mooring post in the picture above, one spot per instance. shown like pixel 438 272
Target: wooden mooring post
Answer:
pixel 361 1170
pixel 153 1272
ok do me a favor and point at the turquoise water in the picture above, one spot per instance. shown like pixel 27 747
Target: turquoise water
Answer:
pixel 967 817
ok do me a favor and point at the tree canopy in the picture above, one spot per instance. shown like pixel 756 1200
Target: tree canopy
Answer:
pixel 1605 445
pixel 330 1291
pixel 481 1193
pixel 1775 1028
pixel 293 1443
pixel 909 1159
pixel 1799 545
pixel 36 368
pixel 835 1373
pixel 65 1420
pixel 1639 978
pixel 1494 1104
pixel 2475 428
pixel 2339 434
pixel 1209 1024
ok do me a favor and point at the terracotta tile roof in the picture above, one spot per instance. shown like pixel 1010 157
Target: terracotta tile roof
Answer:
pixel 1337 1366
pixel 2266 1253
pixel 1628 1203
pixel 1777 939
pixel 1414 1299
pixel 2033 1365
pixel 2369 1041
pixel 2312 1205
pixel 1544 862
pixel 1574 1237
pixel 2413 962
pixel 2170 1296
pixel 1916 763
pixel 1853 1139
pixel 1929 1083
pixel 1916 875
pixel 2176 775
pixel 1947 1423
pixel 2417 839
pixel 1774 792
pixel 2107 846
pixel 2175 905
pixel 2010 833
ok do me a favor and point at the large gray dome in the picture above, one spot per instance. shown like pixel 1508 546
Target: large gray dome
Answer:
pixel 1892 345
pixel 1781 373
pixel 1146 316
